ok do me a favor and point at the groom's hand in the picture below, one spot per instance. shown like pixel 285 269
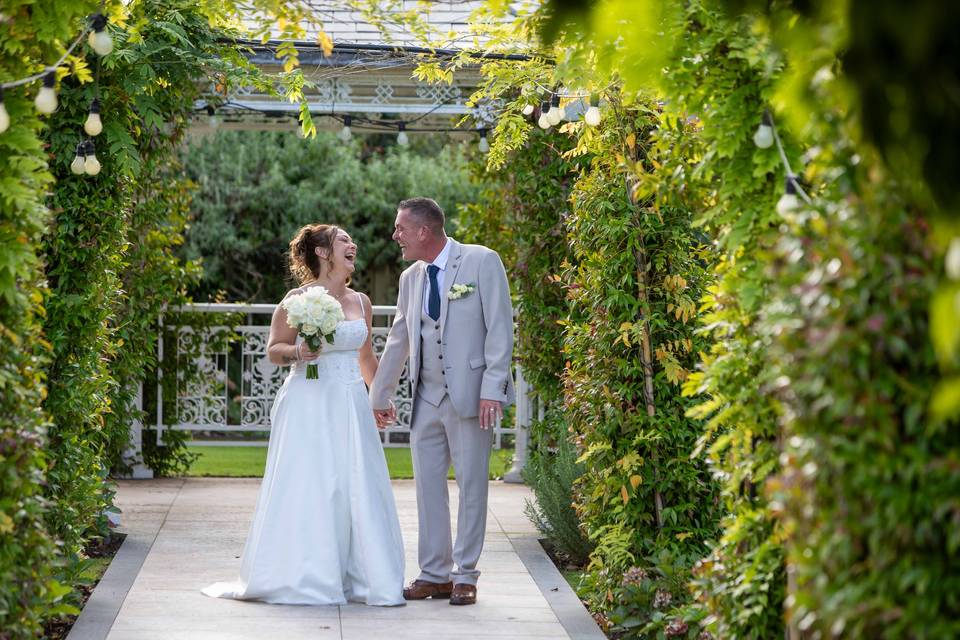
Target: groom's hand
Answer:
pixel 385 417
pixel 491 412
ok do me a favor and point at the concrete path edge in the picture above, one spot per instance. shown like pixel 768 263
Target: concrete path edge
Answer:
pixel 568 608
pixel 101 609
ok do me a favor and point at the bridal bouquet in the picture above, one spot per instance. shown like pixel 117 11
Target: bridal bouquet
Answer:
pixel 315 315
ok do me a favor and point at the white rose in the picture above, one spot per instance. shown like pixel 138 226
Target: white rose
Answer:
pixel 329 326
pixel 308 329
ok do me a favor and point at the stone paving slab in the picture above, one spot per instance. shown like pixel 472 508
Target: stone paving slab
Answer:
pixel 184 534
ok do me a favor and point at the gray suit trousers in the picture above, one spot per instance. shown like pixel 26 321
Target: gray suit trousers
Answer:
pixel 437 437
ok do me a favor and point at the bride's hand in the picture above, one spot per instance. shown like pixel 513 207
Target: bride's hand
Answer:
pixel 303 353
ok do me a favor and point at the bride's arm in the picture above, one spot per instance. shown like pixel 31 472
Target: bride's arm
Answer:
pixel 368 361
pixel 282 343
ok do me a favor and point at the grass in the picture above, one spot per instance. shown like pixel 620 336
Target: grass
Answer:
pixel 572 577
pixel 248 462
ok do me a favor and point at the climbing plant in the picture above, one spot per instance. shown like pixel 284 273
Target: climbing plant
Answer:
pixel 31 35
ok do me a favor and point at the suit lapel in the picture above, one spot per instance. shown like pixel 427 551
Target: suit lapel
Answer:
pixel 453 266
pixel 415 313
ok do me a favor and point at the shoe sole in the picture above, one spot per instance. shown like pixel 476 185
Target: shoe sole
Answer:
pixel 435 596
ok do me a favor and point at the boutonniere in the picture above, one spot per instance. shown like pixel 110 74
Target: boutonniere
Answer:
pixel 457 291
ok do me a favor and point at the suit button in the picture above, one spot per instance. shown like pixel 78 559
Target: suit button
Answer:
pixel 440 356
pixel 438 342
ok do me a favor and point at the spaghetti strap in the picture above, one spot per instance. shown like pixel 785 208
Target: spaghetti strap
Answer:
pixel 363 312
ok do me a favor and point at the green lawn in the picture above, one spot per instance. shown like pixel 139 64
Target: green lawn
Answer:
pixel 242 462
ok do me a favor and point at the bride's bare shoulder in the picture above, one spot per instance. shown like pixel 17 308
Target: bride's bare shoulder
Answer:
pixel 292 292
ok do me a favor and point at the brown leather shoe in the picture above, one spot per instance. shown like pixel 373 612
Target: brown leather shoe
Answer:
pixel 423 589
pixel 464 594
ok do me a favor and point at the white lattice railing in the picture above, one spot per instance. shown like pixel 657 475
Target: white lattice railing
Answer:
pixel 236 383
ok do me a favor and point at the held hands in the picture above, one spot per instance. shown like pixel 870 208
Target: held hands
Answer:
pixel 491 413
pixel 385 417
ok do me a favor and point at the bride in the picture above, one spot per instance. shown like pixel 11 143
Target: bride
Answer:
pixel 325 529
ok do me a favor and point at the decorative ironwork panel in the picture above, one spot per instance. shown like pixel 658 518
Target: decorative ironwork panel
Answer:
pixel 202 384
pixel 261 379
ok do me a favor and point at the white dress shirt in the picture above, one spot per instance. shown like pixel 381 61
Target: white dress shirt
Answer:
pixel 441 262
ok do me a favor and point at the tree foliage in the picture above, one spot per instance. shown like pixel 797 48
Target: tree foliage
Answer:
pixel 255 189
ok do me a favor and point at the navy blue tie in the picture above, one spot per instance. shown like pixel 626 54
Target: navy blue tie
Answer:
pixel 433 302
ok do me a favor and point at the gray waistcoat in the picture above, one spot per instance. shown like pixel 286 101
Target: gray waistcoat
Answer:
pixel 432 384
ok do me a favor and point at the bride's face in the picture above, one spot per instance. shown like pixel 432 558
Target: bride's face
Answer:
pixel 343 256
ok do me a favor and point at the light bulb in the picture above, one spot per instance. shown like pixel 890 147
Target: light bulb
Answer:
pixel 528 109
pixel 46 100
pixel 78 165
pixel 544 120
pixel 212 120
pixel 91 165
pixel 93 126
pixel 345 133
pixel 402 138
pixel 4 117
pixel 788 202
pixel 953 259
pixel 592 116
pixel 556 113
pixel 483 146
pixel 763 137
pixel 99 39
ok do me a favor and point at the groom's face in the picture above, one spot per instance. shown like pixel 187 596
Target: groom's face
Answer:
pixel 409 235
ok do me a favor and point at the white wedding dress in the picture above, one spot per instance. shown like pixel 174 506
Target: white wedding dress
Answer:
pixel 325 530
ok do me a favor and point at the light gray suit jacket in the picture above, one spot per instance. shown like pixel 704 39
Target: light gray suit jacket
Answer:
pixel 476 332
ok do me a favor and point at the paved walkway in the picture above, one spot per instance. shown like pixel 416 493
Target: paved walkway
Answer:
pixel 184 534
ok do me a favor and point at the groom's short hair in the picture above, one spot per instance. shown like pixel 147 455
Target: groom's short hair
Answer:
pixel 426 211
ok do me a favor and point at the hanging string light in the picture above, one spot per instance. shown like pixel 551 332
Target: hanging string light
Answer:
pixel 93 125
pixel 78 166
pixel 402 138
pixel 4 116
pixel 46 100
pixel 556 112
pixel 544 120
pixel 788 202
pixel 212 119
pixel 483 145
pixel 592 116
pixel 345 133
pixel 91 165
pixel 99 38
pixel 763 137
pixel 528 109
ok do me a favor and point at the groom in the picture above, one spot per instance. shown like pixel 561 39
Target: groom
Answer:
pixel 455 323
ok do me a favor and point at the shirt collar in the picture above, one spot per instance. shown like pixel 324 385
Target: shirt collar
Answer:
pixel 441 259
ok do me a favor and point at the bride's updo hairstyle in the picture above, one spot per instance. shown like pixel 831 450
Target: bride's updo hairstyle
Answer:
pixel 304 262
